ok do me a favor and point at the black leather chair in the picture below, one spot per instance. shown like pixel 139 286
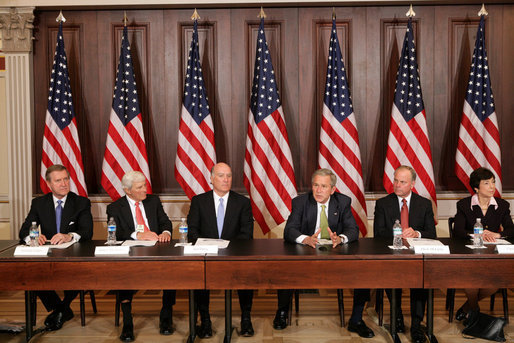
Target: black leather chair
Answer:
pixel 33 304
pixel 340 304
pixel 450 294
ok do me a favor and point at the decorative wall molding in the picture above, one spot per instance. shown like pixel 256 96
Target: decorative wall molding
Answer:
pixel 16 27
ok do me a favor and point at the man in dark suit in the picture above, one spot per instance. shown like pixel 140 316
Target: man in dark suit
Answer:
pixel 75 224
pixel 417 220
pixel 221 213
pixel 326 214
pixel 140 216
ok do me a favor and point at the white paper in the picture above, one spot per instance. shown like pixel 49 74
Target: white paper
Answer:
pixel 112 250
pixel 60 246
pixel 220 243
pixel 400 248
pixel 471 246
pixel 138 243
pixel 414 242
pixel 182 244
pixel 323 241
pixel 200 249
pixel 22 250
pixel 432 249
pixel 505 249
pixel 499 241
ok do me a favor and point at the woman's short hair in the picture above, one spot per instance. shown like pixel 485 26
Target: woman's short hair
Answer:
pixel 478 175
pixel 130 177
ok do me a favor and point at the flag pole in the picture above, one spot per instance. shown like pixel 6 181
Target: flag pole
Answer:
pixel 195 15
pixel 333 13
pixel 125 18
pixel 60 18
pixel 262 15
pixel 410 13
pixel 482 11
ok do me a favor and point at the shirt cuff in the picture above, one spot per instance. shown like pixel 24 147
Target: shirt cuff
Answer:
pixel 27 240
pixel 344 239
pixel 166 231
pixel 76 236
pixel 419 234
pixel 300 239
pixel 134 235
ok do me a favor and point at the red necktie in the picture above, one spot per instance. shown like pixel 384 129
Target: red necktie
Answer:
pixel 139 217
pixel 404 215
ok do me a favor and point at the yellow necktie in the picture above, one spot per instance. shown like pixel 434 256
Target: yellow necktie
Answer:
pixel 323 223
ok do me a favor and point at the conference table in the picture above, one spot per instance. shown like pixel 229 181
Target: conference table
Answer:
pixel 276 264
pixel 257 264
pixel 158 267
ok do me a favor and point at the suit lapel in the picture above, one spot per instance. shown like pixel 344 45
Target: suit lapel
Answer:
pixel 231 208
pixel 312 214
pixel 149 209
pixel 67 212
pixel 333 213
pixel 127 213
pixel 50 208
pixel 211 213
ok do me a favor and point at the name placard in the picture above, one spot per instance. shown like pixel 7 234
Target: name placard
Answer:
pixel 31 251
pixel 112 250
pixel 200 249
pixel 505 249
pixel 432 249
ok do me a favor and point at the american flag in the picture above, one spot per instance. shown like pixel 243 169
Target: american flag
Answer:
pixel 339 140
pixel 479 139
pixel 61 140
pixel 268 168
pixel 408 142
pixel 125 148
pixel 195 151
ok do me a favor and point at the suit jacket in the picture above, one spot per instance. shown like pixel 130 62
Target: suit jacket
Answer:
pixel 421 216
pixel 493 219
pixel 76 216
pixel 158 220
pixel 303 217
pixel 238 222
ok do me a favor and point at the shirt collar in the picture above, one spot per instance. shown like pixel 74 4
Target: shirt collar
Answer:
pixel 400 199
pixel 131 201
pixel 63 199
pixel 217 197
pixel 326 204
pixel 475 202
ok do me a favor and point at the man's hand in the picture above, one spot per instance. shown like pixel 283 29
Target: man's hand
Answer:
pixel 490 236
pixel 336 240
pixel 164 237
pixel 409 233
pixel 312 240
pixel 147 236
pixel 60 238
pixel 41 240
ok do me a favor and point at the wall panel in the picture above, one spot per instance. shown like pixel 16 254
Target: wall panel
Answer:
pixel 370 38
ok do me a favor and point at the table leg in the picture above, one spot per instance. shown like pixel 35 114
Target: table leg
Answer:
pixel 430 317
pixel 228 316
pixel 28 316
pixel 393 314
pixel 192 318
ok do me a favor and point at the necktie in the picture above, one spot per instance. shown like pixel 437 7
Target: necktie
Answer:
pixel 220 217
pixel 404 215
pixel 139 217
pixel 323 223
pixel 58 215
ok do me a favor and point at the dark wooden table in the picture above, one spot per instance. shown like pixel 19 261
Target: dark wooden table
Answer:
pixel 275 264
pixel 465 268
pixel 159 267
pixel 4 245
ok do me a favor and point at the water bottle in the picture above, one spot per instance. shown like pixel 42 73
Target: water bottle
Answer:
pixel 111 231
pixel 478 231
pixel 34 235
pixel 182 230
pixel 397 235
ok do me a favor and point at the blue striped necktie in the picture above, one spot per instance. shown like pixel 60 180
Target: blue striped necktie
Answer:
pixel 58 214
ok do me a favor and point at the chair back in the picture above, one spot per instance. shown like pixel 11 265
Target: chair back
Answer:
pixel 451 221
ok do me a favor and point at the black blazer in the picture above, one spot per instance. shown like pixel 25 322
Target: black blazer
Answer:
pixel 238 222
pixel 76 216
pixel 303 217
pixel 493 219
pixel 421 216
pixel 158 220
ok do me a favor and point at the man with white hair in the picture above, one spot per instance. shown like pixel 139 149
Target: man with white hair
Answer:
pixel 140 216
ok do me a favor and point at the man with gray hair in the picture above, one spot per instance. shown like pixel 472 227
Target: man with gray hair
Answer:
pixel 322 213
pixel 140 216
